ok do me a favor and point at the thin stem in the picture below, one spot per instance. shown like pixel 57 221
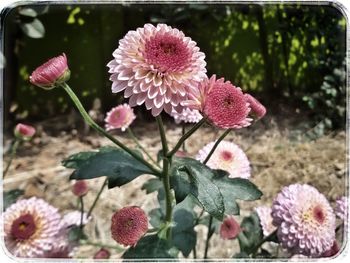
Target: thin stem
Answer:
pixel 210 233
pixel 162 135
pixel 81 211
pixel 99 129
pixel 216 145
pixel 185 137
pixel 265 239
pixel 98 244
pixel 133 137
pixel 97 198
pixel 183 133
pixel 14 147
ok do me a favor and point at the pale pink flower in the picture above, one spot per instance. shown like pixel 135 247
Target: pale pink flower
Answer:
pixel 341 207
pixel 129 224
pixel 227 156
pixel 257 109
pixel 24 132
pixel 187 116
pixel 229 228
pixel 305 220
pixel 80 188
pixel 52 73
pixel 30 227
pixel 264 213
pixel 120 117
pixel 156 66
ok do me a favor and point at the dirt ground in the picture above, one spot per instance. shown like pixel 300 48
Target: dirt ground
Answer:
pixel 278 157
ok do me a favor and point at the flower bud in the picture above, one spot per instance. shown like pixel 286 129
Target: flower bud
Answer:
pixel 229 228
pixel 257 109
pixel 24 132
pixel 102 254
pixel 80 188
pixel 52 73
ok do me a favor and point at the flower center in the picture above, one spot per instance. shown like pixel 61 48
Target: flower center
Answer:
pixel 226 155
pixel 228 101
pixel 23 227
pixel 129 223
pixel 318 214
pixel 166 53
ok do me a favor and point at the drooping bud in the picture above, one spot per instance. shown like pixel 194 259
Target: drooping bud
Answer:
pixel 229 228
pixel 80 188
pixel 24 132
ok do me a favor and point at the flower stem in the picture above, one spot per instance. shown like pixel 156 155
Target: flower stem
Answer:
pixel 183 133
pixel 94 125
pixel 210 233
pixel 265 239
pixel 97 197
pixel 81 211
pixel 216 145
pixel 13 149
pixel 185 137
pixel 133 137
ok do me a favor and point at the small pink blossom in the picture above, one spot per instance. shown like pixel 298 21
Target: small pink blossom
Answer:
pixel 186 116
pixel 129 224
pixel 80 188
pixel 120 117
pixel 102 254
pixel 24 132
pixel 229 228
pixel 257 109
pixel 51 73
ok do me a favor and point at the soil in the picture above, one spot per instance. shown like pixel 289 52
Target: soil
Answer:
pixel 279 157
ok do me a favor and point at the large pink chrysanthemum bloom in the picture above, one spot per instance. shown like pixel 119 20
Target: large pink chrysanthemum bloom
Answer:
pixel 227 156
pixel 229 229
pixel 24 132
pixel 341 207
pixel 52 73
pixel 156 66
pixel 257 109
pixel 305 220
pixel 221 103
pixel 30 227
pixel 129 224
pixel 264 214
pixel 120 117
pixel 187 116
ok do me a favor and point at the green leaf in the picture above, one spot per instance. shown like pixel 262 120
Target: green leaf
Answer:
pixel 10 197
pixel 34 29
pixel 152 185
pixel 241 255
pixel 149 247
pixel 75 234
pixel 156 217
pixel 119 166
pixel 251 233
pixel 233 189
pixel 196 179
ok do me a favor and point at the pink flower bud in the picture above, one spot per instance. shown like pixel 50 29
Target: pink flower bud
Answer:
pixel 102 254
pixel 257 109
pixel 129 224
pixel 229 228
pixel 80 188
pixel 52 73
pixel 24 132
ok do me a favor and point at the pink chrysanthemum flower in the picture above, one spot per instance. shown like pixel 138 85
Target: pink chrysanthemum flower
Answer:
pixel 80 188
pixel 102 254
pixel 156 66
pixel 187 116
pixel 129 224
pixel 264 213
pixel 24 132
pixel 30 227
pixel 227 156
pixel 229 228
pixel 222 103
pixel 52 73
pixel 120 117
pixel 257 109
pixel 341 207
pixel 305 220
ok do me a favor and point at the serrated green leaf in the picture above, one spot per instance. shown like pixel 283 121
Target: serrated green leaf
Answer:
pixel 34 29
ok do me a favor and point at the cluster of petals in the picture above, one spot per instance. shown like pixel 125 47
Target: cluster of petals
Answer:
pixel 227 156
pixel 187 115
pixel 264 214
pixel 341 207
pixel 229 228
pixel 24 131
pixel 304 219
pixel 120 117
pixel 156 66
pixel 257 109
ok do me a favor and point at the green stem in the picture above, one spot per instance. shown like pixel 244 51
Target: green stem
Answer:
pixel 99 129
pixel 81 211
pixel 13 149
pixel 216 145
pixel 210 233
pixel 183 133
pixel 97 198
pixel 265 239
pixel 98 244
pixel 185 137
pixel 162 135
pixel 133 137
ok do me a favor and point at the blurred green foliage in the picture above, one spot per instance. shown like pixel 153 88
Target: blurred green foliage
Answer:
pixel 291 55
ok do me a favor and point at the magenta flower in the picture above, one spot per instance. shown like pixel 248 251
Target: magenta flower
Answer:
pixel 341 207
pixel 52 73
pixel 102 254
pixel 80 188
pixel 229 228
pixel 227 156
pixel 156 66
pixel 305 220
pixel 120 117
pixel 264 213
pixel 30 227
pixel 257 109
pixel 129 224
pixel 24 132
pixel 187 116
